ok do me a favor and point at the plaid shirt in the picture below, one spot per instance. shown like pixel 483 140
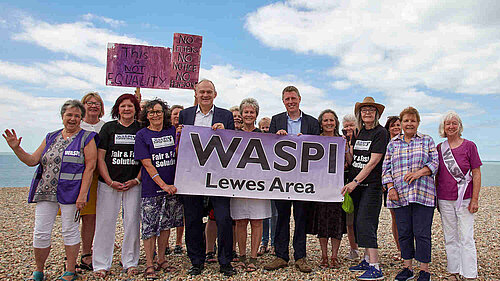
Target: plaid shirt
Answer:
pixel 401 158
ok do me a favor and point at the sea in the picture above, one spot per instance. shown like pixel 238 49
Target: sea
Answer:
pixel 14 173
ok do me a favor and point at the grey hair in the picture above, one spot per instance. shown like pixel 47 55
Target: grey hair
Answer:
pixel 348 118
pixel 73 103
pixel 359 120
pixel 447 117
pixel 234 108
pixel 204 80
pixel 250 102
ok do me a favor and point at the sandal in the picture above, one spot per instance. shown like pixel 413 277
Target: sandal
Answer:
pixel 262 250
pixel 37 276
pixel 150 273
pixel 165 267
pixel 131 271
pixel 324 262
pixel 241 265
pixel 335 263
pixel 251 267
pixel 101 273
pixel 67 273
pixel 83 265
pixel 453 277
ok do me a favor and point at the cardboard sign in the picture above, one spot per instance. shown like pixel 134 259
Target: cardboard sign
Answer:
pixel 186 56
pixel 138 66
pixel 258 165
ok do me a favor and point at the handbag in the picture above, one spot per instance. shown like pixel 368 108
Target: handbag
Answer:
pixel 348 205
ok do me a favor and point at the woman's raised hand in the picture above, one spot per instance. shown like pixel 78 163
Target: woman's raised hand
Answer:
pixel 11 138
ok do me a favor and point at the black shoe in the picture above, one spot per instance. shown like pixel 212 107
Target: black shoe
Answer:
pixel 227 270
pixel 196 269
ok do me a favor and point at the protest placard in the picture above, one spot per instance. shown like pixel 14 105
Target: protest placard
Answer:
pixel 258 165
pixel 138 66
pixel 186 56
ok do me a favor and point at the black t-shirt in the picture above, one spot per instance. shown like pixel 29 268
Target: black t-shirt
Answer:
pixel 118 141
pixel 367 142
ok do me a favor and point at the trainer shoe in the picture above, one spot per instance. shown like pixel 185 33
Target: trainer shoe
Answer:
pixel 276 264
pixel 353 255
pixel 424 276
pixel 372 274
pixel 405 274
pixel 362 266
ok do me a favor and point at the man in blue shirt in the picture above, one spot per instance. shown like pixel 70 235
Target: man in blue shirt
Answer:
pixel 294 122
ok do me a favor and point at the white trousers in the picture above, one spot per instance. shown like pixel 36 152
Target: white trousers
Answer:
pixel 458 228
pixel 108 206
pixel 45 216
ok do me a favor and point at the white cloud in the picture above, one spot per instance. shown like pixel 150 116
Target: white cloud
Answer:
pixel 32 117
pixel 386 45
pixel 55 74
pixel 80 39
pixel 110 21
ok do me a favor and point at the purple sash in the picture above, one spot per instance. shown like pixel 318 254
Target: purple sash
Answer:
pixel 455 171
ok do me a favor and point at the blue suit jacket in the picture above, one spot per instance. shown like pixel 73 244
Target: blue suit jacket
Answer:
pixel 308 125
pixel 186 117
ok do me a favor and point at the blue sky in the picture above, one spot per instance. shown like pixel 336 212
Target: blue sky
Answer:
pixel 433 55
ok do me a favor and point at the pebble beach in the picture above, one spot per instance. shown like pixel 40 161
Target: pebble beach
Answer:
pixel 17 261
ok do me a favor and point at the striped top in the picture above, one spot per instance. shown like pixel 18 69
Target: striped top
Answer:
pixel 401 158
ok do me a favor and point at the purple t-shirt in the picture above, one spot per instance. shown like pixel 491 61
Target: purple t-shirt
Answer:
pixel 467 158
pixel 160 148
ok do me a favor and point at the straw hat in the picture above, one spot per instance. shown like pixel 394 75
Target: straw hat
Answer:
pixel 369 101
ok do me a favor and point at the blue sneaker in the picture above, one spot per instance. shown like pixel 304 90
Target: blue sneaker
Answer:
pixel 405 274
pixel 372 274
pixel 424 276
pixel 363 266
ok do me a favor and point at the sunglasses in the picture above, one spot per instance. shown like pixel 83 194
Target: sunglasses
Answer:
pixel 77 215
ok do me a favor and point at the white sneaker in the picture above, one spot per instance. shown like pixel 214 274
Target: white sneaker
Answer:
pixel 353 255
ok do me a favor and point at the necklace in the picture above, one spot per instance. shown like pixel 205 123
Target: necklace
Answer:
pixel 68 135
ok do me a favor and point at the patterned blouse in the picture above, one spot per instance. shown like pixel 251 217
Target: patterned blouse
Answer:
pixel 401 158
pixel 51 163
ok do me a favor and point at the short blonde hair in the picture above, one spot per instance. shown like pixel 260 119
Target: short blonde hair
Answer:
pixel 250 102
pixel 447 117
pixel 95 95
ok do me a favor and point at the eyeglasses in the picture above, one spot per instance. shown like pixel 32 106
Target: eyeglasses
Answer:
pixel 91 103
pixel 368 110
pixel 155 112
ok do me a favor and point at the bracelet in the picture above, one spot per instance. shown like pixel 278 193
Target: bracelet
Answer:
pixel 138 181
pixel 154 176
pixel 111 183
pixel 356 181
pixel 392 187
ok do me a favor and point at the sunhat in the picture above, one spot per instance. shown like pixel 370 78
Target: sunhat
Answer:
pixel 369 101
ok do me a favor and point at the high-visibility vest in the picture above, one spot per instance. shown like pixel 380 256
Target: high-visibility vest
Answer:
pixel 72 167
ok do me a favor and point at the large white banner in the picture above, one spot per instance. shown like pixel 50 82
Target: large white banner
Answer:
pixel 258 165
